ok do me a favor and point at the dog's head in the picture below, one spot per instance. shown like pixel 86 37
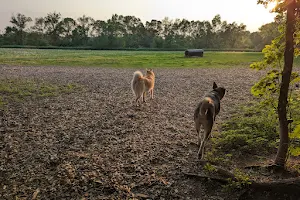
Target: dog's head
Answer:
pixel 150 72
pixel 220 90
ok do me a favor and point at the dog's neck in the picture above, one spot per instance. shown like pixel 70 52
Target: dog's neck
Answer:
pixel 214 94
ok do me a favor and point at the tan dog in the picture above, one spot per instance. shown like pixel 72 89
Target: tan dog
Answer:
pixel 141 84
pixel 205 115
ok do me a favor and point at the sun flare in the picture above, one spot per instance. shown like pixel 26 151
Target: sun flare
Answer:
pixel 272 5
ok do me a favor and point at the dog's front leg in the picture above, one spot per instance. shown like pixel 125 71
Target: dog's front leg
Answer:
pixel 144 96
pixel 151 93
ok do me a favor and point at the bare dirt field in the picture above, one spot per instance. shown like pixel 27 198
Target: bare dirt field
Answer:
pixel 95 144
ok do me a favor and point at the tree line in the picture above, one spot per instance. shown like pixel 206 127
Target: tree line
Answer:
pixel 130 32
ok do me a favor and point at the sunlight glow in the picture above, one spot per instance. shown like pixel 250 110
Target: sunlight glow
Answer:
pixel 272 5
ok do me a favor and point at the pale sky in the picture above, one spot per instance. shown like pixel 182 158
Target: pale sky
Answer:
pixel 240 11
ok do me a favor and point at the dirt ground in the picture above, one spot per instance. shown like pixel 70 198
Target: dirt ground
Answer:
pixel 95 144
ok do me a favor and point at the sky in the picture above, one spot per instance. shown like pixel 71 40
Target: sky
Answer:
pixel 240 11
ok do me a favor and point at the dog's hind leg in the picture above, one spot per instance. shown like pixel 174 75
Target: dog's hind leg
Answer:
pixel 151 93
pixel 137 100
pixel 207 130
pixel 201 149
pixel 198 126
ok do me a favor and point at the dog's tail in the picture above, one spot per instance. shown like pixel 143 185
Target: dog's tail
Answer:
pixel 137 75
pixel 137 84
pixel 206 106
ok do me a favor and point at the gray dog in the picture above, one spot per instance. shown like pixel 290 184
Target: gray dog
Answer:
pixel 205 115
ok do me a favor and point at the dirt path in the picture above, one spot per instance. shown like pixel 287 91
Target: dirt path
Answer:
pixel 95 144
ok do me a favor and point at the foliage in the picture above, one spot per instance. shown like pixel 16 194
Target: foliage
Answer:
pixel 268 87
pixel 294 149
pixel 129 32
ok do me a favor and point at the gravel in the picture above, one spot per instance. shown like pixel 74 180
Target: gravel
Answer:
pixel 96 144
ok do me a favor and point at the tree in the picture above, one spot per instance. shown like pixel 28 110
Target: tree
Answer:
pixel 82 31
pixel 153 30
pixel 52 22
pixel 66 28
pixel 256 41
pixel 36 36
pixel 98 28
pixel 128 31
pixel 284 87
pixel 279 79
pixel 9 36
pixel 67 25
pixel 19 23
pixel 232 34
pixel 39 25
pixel 132 28
pixel 268 32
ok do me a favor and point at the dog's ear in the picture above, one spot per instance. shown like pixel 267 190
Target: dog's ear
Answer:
pixel 215 86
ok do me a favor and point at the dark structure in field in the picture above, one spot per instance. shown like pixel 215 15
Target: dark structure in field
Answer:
pixel 194 52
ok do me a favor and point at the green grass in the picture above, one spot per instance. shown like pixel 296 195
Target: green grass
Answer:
pixel 16 90
pixel 142 59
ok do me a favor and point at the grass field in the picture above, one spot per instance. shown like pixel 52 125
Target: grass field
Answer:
pixel 39 57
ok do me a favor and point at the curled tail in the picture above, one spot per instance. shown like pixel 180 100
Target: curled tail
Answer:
pixel 137 84
pixel 136 76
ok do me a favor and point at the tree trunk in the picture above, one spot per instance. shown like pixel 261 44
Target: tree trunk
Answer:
pixel 284 87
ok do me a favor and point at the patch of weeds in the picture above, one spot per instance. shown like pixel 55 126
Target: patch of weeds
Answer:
pixel 209 168
pixel 17 90
pixel 214 156
pixel 294 167
pixel 241 180
pixel 2 103
pixel 46 89
pixel 252 130
pixel 294 114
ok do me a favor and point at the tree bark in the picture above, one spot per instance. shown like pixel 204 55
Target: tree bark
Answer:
pixel 284 87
